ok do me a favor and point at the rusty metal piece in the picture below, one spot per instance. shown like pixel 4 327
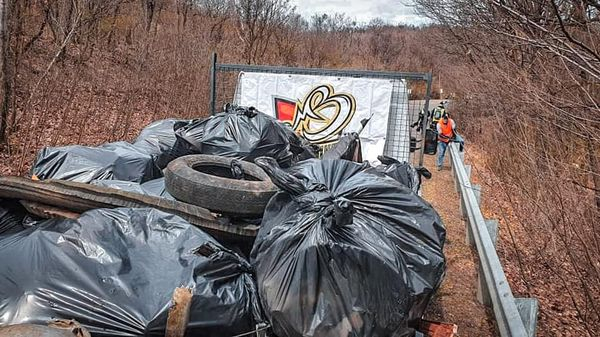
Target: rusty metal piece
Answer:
pixel 58 328
pixel 47 212
pixel 179 313
pixel 437 329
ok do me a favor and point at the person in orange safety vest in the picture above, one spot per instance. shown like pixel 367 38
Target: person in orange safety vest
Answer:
pixel 446 130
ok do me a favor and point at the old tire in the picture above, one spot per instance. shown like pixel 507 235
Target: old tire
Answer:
pixel 206 181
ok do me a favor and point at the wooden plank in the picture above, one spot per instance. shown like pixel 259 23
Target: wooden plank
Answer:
pixel 438 329
pixel 48 212
pixel 179 313
pixel 78 197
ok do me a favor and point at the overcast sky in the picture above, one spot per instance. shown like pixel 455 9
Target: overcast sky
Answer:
pixel 391 11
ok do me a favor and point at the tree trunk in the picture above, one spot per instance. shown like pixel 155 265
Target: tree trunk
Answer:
pixel 6 70
pixel 593 161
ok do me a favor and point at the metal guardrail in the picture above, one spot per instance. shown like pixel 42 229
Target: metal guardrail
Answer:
pixel 515 317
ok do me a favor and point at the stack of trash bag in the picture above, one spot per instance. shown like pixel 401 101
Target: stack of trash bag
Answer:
pixel 403 172
pixel 238 132
pixel 158 139
pixel 115 271
pixel 137 162
pixel 344 250
pixel 155 188
pixel 117 161
pixel 242 133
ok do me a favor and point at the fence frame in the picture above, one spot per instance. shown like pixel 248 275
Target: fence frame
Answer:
pixel 221 67
pixel 515 317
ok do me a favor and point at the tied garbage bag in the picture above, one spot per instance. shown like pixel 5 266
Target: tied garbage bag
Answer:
pixel 114 271
pixel 155 188
pixel 402 172
pixel 242 133
pixel 158 139
pixel 345 251
pixel 115 161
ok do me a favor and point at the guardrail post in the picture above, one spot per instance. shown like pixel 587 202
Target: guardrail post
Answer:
pixel 492 227
pixel 463 210
pixel 452 165
pixel 528 308
pixel 477 191
pixel 469 236
pixel 483 292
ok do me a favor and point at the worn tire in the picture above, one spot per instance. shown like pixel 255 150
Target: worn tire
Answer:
pixel 203 180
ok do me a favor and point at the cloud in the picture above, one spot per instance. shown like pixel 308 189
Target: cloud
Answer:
pixel 391 11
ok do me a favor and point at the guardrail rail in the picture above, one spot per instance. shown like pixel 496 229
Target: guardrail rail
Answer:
pixel 515 317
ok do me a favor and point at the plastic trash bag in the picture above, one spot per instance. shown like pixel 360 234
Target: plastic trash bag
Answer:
pixel 402 172
pixel 242 133
pixel 154 187
pixel 348 147
pixel 345 251
pixel 158 139
pixel 115 161
pixel 114 271
pixel 12 216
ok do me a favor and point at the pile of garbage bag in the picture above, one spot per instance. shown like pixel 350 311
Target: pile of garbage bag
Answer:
pixel 137 162
pixel 117 161
pixel 114 271
pixel 344 250
pixel 238 132
pixel 242 133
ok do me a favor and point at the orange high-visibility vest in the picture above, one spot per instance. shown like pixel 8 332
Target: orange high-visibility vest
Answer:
pixel 446 130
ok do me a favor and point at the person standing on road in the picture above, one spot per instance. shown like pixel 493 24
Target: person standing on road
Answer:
pixel 446 130
pixel 437 113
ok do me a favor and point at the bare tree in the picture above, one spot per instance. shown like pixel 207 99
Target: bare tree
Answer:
pixel 257 21
pixel 536 73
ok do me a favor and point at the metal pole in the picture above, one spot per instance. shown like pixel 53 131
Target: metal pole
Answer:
pixel 425 118
pixel 213 82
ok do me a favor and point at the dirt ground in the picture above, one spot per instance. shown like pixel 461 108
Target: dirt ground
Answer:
pixel 456 300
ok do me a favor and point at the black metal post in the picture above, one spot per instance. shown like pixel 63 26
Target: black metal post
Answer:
pixel 425 118
pixel 213 82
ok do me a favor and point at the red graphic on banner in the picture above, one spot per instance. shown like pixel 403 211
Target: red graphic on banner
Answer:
pixel 285 109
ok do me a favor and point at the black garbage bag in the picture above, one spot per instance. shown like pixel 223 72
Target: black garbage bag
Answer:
pixel 12 217
pixel 115 161
pixel 114 271
pixel 348 147
pixel 402 172
pixel 154 187
pixel 242 133
pixel 158 139
pixel 300 147
pixel 345 251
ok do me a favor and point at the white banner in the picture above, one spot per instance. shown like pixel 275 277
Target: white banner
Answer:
pixel 322 108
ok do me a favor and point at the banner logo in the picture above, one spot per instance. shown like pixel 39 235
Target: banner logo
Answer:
pixel 320 117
